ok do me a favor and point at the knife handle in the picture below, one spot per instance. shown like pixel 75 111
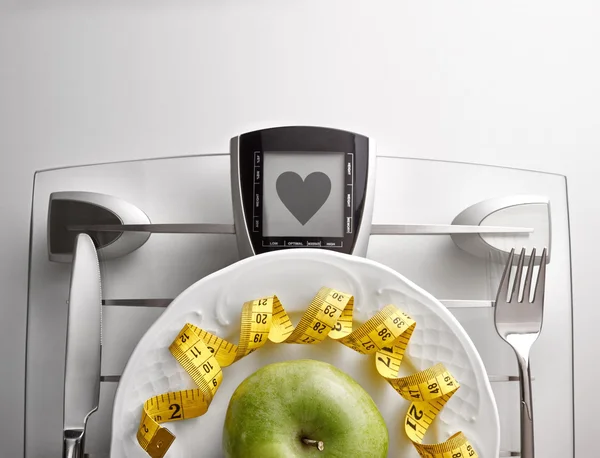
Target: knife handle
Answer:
pixel 73 443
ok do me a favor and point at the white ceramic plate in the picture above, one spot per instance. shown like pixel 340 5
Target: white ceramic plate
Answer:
pixel 214 303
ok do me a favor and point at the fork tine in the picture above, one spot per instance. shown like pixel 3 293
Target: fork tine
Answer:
pixel 518 275
pixel 538 296
pixel 503 288
pixel 529 277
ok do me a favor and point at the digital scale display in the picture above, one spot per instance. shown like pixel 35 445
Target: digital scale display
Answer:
pixel 303 194
pixel 299 187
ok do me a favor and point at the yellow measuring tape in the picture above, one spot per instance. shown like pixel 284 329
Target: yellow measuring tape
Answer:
pixel 386 335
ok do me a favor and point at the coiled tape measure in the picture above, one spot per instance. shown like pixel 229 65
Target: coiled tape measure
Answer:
pixel 385 335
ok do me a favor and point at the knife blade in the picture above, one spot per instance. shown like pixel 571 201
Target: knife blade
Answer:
pixel 84 346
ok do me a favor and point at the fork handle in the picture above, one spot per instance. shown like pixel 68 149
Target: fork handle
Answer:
pixel 527 442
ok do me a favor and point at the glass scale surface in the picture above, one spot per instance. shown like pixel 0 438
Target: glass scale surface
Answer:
pixel 146 263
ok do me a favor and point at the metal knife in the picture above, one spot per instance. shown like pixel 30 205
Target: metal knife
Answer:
pixel 84 346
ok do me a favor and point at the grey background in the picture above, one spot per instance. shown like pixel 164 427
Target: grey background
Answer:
pixel 511 83
pixel 328 221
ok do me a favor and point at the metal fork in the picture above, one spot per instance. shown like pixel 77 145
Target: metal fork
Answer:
pixel 519 322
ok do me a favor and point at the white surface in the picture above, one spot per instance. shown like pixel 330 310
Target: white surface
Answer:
pixel 510 83
pixel 295 276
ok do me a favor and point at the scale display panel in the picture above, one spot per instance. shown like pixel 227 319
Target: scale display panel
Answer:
pixel 303 194
pixel 299 187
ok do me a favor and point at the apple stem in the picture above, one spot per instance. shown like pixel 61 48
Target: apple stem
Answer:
pixel 318 444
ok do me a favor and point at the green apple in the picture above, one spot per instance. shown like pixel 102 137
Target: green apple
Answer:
pixel 303 408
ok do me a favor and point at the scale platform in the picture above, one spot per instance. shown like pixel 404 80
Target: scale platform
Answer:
pixel 143 270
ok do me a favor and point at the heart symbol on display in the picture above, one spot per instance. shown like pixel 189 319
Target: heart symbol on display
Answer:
pixel 303 198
